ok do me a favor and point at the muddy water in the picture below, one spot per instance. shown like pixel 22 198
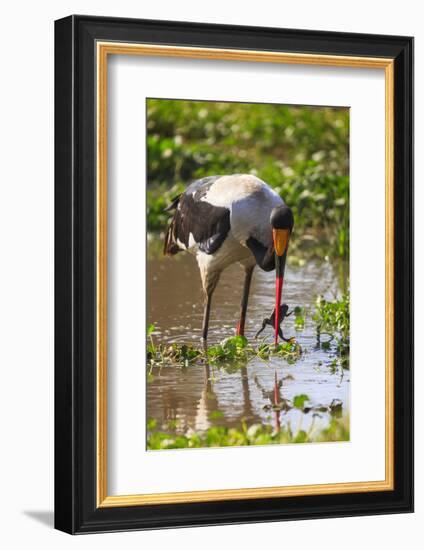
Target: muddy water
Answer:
pixel 182 399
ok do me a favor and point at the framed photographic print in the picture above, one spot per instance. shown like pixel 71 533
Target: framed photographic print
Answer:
pixel 234 274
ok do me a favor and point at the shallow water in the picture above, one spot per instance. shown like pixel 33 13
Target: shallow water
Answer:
pixel 180 399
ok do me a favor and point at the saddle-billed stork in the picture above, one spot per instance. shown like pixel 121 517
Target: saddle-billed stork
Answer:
pixel 227 219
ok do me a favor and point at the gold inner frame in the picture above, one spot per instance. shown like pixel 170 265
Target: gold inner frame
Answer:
pixel 104 49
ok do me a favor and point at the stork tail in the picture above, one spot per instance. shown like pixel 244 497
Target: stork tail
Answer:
pixel 170 246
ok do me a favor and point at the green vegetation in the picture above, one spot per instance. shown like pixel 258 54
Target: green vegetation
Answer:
pixel 332 322
pixel 172 355
pixel 237 347
pixel 256 434
pixel 333 319
pixel 303 404
pixel 233 349
pixel 303 152
pixel 299 317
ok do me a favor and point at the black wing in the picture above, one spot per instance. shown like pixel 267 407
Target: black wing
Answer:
pixel 265 257
pixel 208 224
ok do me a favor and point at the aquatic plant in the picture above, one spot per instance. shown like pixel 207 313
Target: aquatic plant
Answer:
pixel 291 351
pixel 151 348
pixel 256 434
pixel 233 349
pixel 303 403
pixel 173 354
pixel 332 319
pixel 332 328
pixel 299 318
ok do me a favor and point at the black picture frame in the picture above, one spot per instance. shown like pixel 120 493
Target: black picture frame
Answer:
pixel 76 510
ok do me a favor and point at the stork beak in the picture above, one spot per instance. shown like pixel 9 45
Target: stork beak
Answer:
pixel 281 239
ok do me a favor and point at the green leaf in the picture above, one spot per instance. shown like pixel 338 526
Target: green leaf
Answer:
pixel 240 341
pixel 300 400
pixel 151 424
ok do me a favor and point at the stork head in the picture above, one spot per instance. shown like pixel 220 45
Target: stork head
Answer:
pixel 282 222
pixel 282 217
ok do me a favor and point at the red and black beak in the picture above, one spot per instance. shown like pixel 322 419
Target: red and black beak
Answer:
pixel 281 239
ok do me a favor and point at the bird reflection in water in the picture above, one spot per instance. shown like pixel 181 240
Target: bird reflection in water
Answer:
pixel 196 398
pixel 278 403
pixel 208 404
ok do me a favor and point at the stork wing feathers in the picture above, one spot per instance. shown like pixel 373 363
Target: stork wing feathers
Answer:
pixel 265 257
pixel 174 204
pixel 196 222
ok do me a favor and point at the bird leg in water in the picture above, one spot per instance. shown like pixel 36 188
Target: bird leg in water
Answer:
pixel 209 284
pixel 244 300
pixel 271 321
pixel 206 314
